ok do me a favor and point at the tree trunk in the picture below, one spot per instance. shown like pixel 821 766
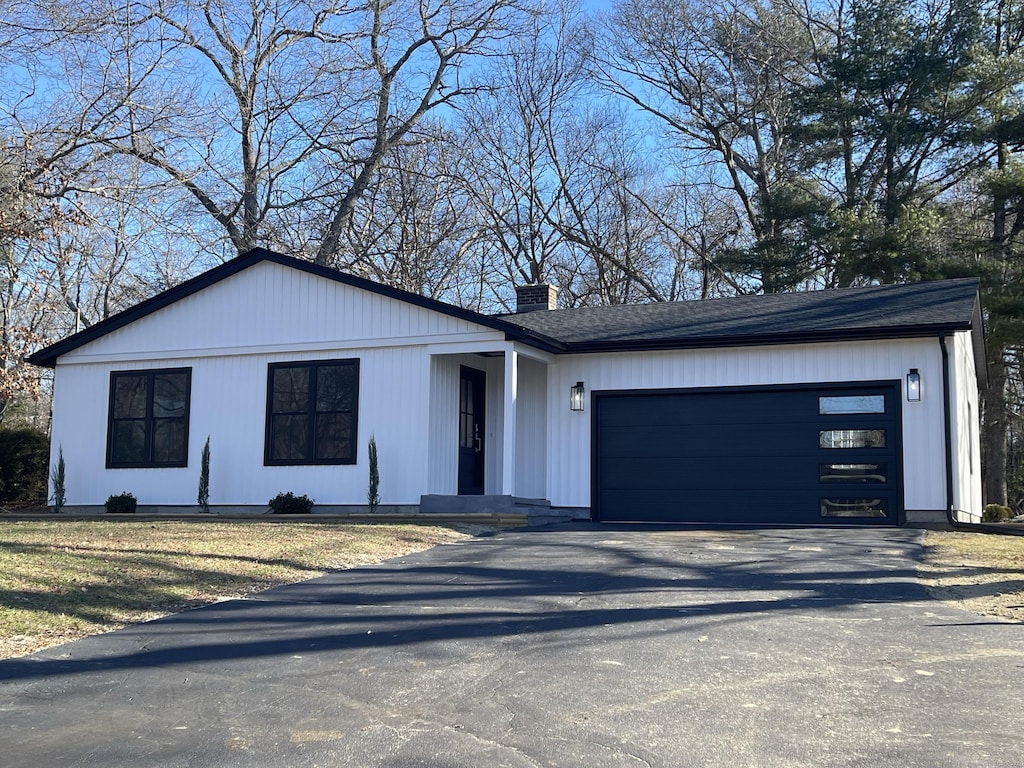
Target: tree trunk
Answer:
pixel 994 427
pixel 993 432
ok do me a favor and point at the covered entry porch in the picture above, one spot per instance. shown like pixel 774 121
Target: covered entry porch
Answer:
pixel 487 445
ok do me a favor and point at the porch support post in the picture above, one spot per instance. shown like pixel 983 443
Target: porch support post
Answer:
pixel 508 447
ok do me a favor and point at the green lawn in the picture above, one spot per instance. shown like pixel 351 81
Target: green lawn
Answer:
pixel 62 580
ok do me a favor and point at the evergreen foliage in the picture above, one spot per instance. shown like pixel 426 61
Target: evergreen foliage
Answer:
pixel 203 497
pixel 57 476
pixel 290 504
pixel 24 460
pixel 373 491
pixel 121 503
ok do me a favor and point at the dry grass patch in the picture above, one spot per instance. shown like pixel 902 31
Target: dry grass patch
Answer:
pixel 982 573
pixel 63 580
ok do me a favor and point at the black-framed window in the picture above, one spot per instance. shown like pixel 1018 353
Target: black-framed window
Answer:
pixel 312 410
pixel 148 418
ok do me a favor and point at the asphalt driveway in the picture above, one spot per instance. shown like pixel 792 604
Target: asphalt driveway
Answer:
pixel 568 646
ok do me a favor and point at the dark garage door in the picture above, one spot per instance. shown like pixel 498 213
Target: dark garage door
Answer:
pixel 786 455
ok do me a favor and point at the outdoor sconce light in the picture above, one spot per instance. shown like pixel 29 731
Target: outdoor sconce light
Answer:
pixel 576 396
pixel 913 386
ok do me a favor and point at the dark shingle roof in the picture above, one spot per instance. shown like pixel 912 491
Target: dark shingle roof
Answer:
pixel 884 311
pixel 889 311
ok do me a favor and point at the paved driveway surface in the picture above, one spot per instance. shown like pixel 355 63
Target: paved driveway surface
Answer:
pixel 573 646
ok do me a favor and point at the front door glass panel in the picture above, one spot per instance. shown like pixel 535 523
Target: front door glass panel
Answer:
pixel 472 384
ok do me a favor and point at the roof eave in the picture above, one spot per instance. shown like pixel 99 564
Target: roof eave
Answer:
pixel 537 340
pixel 751 340
pixel 48 356
pixel 979 344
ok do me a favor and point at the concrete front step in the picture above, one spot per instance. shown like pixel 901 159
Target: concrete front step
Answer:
pixel 433 503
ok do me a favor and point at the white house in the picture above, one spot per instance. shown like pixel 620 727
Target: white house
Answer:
pixel 853 406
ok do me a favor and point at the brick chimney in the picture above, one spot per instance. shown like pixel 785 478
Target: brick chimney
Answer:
pixel 535 298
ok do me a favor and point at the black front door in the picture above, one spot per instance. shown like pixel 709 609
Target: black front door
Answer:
pixel 471 431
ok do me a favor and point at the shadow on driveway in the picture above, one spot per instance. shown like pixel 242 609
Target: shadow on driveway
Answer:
pixel 532 582
pixel 569 645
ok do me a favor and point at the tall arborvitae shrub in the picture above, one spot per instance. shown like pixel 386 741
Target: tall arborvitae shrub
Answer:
pixel 373 491
pixel 203 497
pixel 57 477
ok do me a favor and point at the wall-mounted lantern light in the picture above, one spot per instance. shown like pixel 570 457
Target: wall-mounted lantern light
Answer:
pixel 913 385
pixel 576 396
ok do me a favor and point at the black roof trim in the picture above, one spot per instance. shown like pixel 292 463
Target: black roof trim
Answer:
pixel 768 339
pixel 881 312
pixel 47 357
pixel 872 312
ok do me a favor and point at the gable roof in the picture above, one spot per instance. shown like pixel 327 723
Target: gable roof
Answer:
pixel 877 312
pixel 47 356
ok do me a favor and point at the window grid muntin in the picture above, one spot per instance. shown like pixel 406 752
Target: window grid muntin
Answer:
pixel 314 416
pixel 852 439
pixel 146 420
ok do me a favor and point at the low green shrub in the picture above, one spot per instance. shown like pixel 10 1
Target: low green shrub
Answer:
pixel 996 513
pixel 24 467
pixel 122 503
pixel 290 504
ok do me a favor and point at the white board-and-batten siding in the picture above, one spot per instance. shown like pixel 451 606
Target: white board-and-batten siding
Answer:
pixel 924 460
pixel 228 334
pixel 443 454
pixel 269 308
pixel 410 357
pixel 965 433
pixel 228 404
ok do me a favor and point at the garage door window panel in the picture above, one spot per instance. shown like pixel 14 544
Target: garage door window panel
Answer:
pixel 853 473
pixel 851 438
pixel 854 507
pixel 851 404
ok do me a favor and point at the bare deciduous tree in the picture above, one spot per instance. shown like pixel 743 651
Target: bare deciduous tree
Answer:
pixel 411 227
pixel 258 106
pixel 564 191
pixel 417 58
pixel 718 77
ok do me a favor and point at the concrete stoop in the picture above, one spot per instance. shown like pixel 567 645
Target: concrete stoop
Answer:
pixel 536 511
pixel 434 503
